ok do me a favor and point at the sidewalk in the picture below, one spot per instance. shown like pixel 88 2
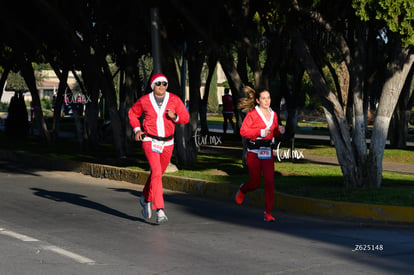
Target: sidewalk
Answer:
pixel 402 168
pixel 215 190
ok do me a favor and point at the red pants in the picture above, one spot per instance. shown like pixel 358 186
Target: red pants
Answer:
pixel 256 166
pixel 158 163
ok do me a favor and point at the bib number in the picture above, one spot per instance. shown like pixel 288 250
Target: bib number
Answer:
pixel 157 146
pixel 264 153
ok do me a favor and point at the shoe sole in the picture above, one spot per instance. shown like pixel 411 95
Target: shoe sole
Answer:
pixel 163 220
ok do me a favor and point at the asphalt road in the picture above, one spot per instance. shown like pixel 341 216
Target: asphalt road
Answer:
pixel 54 222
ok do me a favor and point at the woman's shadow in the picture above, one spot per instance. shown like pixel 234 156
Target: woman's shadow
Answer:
pixel 81 201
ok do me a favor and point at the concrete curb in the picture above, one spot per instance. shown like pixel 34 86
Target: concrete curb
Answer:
pixel 207 189
pixel 337 209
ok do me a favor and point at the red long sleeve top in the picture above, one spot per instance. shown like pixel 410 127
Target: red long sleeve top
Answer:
pixel 255 124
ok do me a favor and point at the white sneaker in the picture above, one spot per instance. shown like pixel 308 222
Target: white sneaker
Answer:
pixel 161 217
pixel 146 208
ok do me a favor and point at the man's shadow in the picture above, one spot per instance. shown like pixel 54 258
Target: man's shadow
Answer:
pixel 81 201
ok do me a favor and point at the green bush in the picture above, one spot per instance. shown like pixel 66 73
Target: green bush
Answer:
pixel 46 104
pixel 4 107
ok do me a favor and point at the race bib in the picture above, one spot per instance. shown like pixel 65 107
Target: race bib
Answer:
pixel 157 146
pixel 264 153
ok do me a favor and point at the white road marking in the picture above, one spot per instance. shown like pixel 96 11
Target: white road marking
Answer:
pixel 18 236
pixel 66 253
pixel 76 257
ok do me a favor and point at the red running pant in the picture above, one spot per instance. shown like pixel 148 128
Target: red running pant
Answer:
pixel 256 167
pixel 158 163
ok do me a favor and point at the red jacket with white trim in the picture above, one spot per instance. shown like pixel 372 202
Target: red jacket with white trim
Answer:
pixel 253 126
pixel 156 122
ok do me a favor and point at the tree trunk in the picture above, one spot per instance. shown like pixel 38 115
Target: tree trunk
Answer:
pixel 359 126
pixel 77 114
pixel 357 66
pixel 104 78
pixel 242 63
pixel 195 66
pixel 398 133
pixel 389 97
pixel 236 85
pixel 131 84
pixel 185 150
pixel 63 76
pixel 109 93
pixel 28 75
pixel 204 102
pixel 293 101
pixel 335 115
pixel 3 79
pixel 91 131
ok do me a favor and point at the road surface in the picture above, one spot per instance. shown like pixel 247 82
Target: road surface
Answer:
pixel 54 222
